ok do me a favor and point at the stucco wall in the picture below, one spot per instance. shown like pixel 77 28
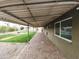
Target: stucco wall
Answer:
pixel 75 36
pixel 70 50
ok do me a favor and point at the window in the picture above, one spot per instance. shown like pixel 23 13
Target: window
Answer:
pixel 57 28
pixel 66 27
pixel 63 29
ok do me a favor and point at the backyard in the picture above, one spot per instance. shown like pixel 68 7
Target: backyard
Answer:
pixel 19 37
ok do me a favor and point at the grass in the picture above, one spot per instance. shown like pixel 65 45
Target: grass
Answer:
pixel 20 38
pixel 6 35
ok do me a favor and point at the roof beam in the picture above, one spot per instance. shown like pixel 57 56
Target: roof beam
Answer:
pixel 41 16
pixel 31 13
pixel 29 10
pixel 34 3
pixel 9 13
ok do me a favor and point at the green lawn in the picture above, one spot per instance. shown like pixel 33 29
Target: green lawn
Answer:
pixel 19 38
pixel 6 35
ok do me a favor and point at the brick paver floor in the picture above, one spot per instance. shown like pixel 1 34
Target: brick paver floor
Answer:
pixel 10 50
pixel 40 48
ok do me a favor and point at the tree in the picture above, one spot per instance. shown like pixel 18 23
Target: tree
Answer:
pixel 22 28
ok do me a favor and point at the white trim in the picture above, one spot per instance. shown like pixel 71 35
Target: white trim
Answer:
pixel 54 26
pixel 70 41
pixel 66 3
pixel 66 19
pixel 60 28
pixel 57 22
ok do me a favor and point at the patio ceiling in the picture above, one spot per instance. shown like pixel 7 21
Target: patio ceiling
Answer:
pixel 33 12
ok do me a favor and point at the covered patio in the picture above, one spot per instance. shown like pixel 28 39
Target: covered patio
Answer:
pixel 40 13
pixel 35 13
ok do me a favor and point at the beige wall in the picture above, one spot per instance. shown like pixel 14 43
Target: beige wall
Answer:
pixel 63 45
pixel 75 36
pixel 69 50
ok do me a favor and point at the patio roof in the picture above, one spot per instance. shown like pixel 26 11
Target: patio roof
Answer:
pixel 33 12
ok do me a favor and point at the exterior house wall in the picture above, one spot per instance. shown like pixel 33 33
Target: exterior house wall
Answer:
pixel 75 35
pixel 69 50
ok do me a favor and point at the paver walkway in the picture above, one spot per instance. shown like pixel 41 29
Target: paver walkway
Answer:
pixel 40 48
pixel 10 50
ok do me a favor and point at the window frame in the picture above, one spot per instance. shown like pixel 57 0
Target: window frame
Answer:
pixel 70 41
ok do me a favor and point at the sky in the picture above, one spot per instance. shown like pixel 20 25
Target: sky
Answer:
pixel 4 23
pixel 9 23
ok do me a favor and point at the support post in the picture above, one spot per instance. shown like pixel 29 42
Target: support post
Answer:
pixel 28 32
